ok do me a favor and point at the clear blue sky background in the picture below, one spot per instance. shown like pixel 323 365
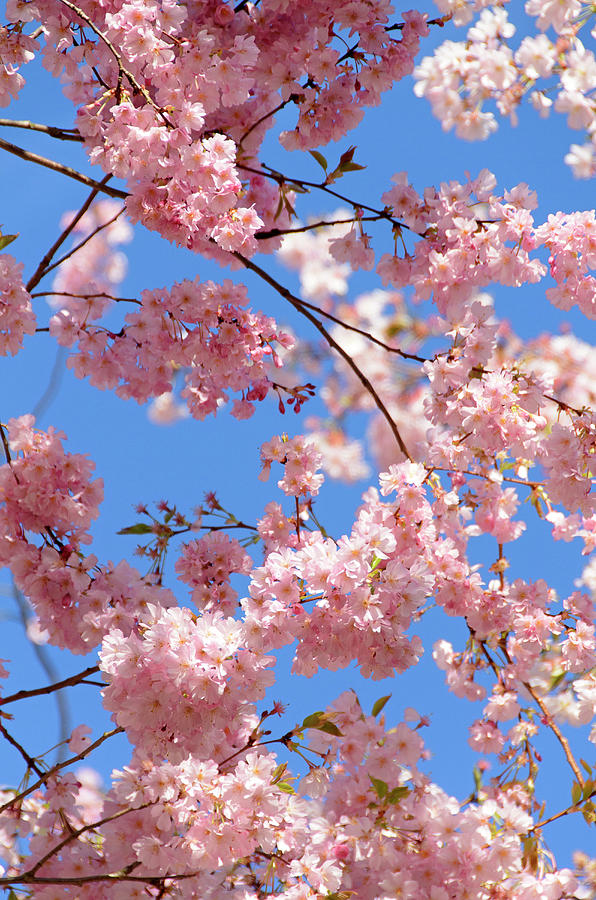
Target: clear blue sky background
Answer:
pixel 142 462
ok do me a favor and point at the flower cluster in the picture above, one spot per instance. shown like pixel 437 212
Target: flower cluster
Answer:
pixel 16 315
pixel 201 328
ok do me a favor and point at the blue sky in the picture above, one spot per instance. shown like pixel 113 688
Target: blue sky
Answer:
pixel 142 462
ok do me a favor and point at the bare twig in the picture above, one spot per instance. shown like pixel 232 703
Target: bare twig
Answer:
pixel 271 112
pixel 62 765
pixel 50 688
pixel 63 134
pixel 29 156
pixel 279 232
pixel 365 334
pixel 550 723
pixel 281 179
pixel 300 307
pixel 82 243
pixel 86 296
pixel 31 764
pixel 43 266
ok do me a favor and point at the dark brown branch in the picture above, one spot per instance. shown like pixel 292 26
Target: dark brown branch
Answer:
pixel 50 688
pixel 29 156
pixel 61 765
pixel 86 296
pixel 31 763
pixel 300 307
pixel 323 223
pixel 272 112
pixel 74 835
pixel 281 179
pixel 82 243
pixel 365 334
pixel 43 266
pixel 62 134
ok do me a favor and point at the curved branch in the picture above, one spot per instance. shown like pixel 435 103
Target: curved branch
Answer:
pixel 29 156
pixel 280 232
pixel 366 334
pixel 31 763
pixel 274 175
pixel 61 765
pixel 44 265
pixel 50 688
pixel 62 134
pixel 300 307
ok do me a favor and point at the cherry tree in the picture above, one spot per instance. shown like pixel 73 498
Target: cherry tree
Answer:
pixel 475 434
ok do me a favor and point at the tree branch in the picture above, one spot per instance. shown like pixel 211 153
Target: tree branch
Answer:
pixel 50 688
pixel 300 307
pixel 61 765
pixel 62 134
pixel 29 156
pixel 44 266
pixel 31 764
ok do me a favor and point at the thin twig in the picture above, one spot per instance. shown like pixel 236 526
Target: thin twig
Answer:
pixel 50 688
pixel 63 134
pixel 5 444
pixel 269 172
pixel 279 232
pixel 29 156
pixel 74 835
pixel 86 296
pixel 365 334
pixel 300 307
pixel 31 764
pixel 51 772
pixel 272 112
pixel 550 723
pixel 44 264
pixel 84 241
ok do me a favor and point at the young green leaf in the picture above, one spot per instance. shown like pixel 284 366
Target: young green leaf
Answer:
pixel 6 239
pixel 381 787
pixel 379 704
pixel 319 158
pixel 139 528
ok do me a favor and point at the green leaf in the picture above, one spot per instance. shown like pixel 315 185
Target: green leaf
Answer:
pixel 586 766
pixel 576 792
pixel 278 772
pixel 397 794
pixel 588 789
pixel 313 720
pixel 381 787
pixel 139 528
pixel 319 158
pixel 6 239
pixel 589 813
pixel 379 704
pixel 168 515
pixel 285 787
pixel 329 728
